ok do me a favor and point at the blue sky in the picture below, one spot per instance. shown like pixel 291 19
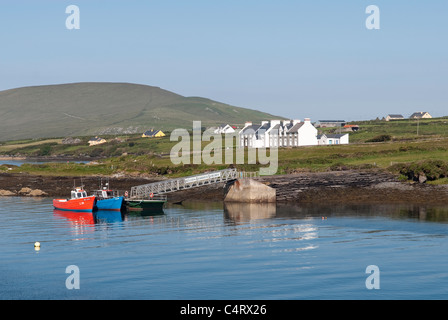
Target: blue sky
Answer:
pixel 296 59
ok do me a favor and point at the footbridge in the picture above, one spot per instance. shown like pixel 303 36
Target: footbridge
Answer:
pixel 162 187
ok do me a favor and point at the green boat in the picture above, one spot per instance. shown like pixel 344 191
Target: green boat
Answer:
pixel 154 204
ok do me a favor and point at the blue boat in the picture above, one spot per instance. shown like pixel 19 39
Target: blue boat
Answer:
pixel 115 204
pixel 109 200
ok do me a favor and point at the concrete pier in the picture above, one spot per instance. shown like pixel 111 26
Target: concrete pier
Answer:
pixel 250 191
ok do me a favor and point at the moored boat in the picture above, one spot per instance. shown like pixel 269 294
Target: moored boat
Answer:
pixel 109 200
pixel 154 204
pixel 79 202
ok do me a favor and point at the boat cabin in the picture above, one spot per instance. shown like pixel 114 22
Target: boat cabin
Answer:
pixel 105 193
pixel 78 193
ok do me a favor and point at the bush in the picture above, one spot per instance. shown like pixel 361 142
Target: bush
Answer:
pixel 45 149
pixel 432 169
pixel 96 152
pixel 380 138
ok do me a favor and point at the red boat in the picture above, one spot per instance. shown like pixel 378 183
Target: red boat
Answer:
pixel 79 202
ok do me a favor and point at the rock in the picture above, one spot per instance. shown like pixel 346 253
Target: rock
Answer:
pixel 422 178
pixel 37 193
pixel 71 140
pixel 25 191
pixel 32 193
pixel 6 193
pixel 250 191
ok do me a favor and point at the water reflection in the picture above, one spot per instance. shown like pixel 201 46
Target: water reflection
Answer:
pixel 77 219
pixel 80 222
pixel 83 222
pixel 394 211
pixel 104 217
pixel 243 212
pixel 144 213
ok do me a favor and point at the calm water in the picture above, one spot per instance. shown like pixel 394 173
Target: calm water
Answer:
pixel 205 251
pixel 20 162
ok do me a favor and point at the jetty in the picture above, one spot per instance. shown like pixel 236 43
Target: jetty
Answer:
pixel 172 185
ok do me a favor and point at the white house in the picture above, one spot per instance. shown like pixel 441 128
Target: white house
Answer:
pixel 224 128
pixel 96 141
pixel 420 115
pixel 278 133
pixel 332 139
pixel 305 132
pixel 394 117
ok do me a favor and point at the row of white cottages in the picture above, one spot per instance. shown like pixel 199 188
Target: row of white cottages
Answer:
pixel 286 133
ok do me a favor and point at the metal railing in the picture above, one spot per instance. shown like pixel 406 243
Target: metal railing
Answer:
pixel 173 185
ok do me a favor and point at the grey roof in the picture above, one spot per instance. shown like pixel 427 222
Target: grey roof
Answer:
pixel 262 129
pixel 96 139
pixel 336 136
pixel 250 129
pixel 288 126
pixel 151 132
pixel 418 114
pixel 296 127
pixel 395 115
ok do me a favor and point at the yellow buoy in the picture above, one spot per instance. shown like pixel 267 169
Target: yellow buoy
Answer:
pixel 37 244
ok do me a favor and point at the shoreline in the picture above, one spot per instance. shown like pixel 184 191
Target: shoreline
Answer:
pixel 338 187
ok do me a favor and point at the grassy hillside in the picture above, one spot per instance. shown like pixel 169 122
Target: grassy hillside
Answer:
pixel 400 130
pixel 81 109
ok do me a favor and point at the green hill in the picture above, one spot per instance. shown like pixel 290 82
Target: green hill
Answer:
pixel 81 109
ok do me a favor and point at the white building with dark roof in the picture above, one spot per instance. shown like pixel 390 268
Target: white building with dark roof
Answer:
pixel 333 139
pixel 224 129
pixel 420 115
pixel 278 133
pixel 394 117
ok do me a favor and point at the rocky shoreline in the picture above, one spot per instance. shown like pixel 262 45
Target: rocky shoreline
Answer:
pixel 357 187
pixel 17 184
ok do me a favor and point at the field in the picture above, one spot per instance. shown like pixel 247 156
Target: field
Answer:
pixel 9 147
pixel 134 155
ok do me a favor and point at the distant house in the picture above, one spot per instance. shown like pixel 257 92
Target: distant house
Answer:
pixel 224 128
pixel 342 138
pixel 333 139
pixel 96 141
pixel 321 139
pixel 153 134
pixel 248 137
pixel 330 123
pixel 350 128
pixel 394 117
pixel 420 115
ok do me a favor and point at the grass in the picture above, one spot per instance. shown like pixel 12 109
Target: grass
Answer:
pixel 12 147
pixel 407 129
pixel 317 158
pixel 131 154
